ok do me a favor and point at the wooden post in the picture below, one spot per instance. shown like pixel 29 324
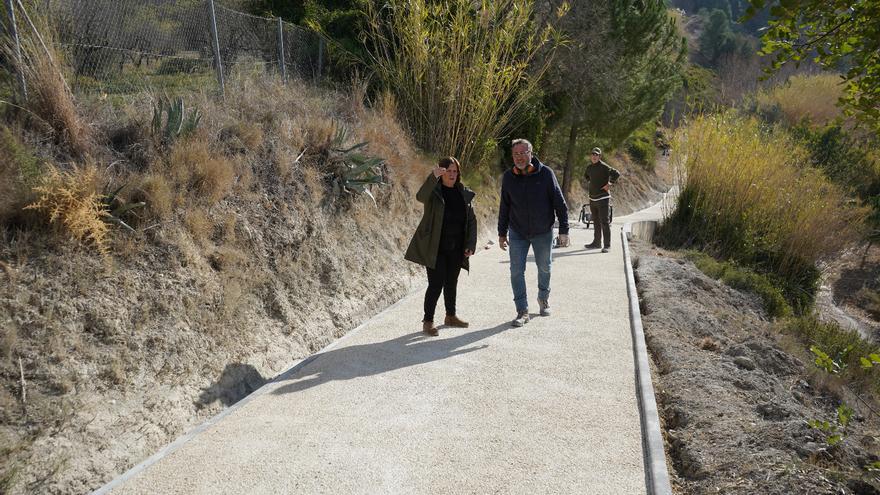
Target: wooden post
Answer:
pixel 281 50
pixel 13 33
pixel 215 45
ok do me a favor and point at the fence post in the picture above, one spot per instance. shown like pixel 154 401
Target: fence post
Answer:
pixel 320 56
pixel 281 50
pixel 13 32
pixel 215 45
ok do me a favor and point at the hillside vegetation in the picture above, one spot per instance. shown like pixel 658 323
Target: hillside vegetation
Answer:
pixel 244 253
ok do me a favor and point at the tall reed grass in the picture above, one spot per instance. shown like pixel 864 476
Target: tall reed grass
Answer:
pixel 810 97
pixel 460 70
pixel 748 195
pixel 49 98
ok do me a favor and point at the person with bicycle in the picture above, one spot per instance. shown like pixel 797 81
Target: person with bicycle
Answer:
pixel 600 177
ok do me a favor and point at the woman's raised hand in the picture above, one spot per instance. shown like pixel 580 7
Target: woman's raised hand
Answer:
pixel 438 171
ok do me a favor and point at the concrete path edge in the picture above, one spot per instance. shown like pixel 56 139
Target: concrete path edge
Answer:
pixel 656 472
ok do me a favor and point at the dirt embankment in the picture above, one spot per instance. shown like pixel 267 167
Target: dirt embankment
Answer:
pixel 736 395
pixel 104 360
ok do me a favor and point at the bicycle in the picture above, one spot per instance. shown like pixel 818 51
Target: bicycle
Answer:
pixel 586 217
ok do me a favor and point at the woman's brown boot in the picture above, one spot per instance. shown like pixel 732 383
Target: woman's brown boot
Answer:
pixel 429 328
pixel 453 321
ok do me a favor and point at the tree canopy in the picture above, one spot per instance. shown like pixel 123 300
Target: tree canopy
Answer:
pixel 622 63
pixel 839 35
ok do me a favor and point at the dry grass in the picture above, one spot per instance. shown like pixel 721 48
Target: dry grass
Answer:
pixel 49 97
pixel 196 169
pixel 813 98
pixel 200 292
pixel 199 225
pixel 228 231
pixel 70 201
pixel 243 137
pixel 7 342
pixel 156 192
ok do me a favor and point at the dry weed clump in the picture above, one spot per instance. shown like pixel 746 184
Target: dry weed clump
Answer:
pixel 194 168
pixel 199 225
pixel 71 202
pixel 812 97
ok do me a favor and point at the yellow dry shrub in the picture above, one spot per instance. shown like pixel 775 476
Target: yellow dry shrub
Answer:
pixel 71 203
pixel 755 192
pixel 811 97
pixel 193 167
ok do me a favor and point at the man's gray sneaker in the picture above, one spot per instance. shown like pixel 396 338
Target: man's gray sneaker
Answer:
pixel 544 306
pixel 521 319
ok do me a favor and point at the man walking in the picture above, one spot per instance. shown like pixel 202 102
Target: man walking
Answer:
pixel 600 176
pixel 530 201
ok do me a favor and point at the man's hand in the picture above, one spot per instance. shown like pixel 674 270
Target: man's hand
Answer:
pixel 606 187
pixel 562 240
pixel 502 242
pixel 467 253
pixel 438 171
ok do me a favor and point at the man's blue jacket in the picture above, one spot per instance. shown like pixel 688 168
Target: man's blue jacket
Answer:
pixel 529 201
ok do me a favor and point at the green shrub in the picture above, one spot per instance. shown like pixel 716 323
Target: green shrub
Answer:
pixel 640 146
pixel 849 162
pixel 172 121
pixel 845 347
pixel 745 279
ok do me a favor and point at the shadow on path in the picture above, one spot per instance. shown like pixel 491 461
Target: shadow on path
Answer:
pixel 372 359
pixel 235 383
pixel 560 254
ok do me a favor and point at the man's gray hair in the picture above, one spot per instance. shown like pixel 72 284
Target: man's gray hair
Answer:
pixel 521 141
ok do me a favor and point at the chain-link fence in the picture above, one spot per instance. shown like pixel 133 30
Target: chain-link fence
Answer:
pixel 124 45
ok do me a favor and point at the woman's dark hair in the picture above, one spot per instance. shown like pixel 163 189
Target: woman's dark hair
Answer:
pixel 445 162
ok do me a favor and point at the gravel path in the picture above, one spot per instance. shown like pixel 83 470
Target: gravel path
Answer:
pixel 547 408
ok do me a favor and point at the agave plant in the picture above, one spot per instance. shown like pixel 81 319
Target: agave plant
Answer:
pixel 354 171
pixel 170 120
pixel 116 209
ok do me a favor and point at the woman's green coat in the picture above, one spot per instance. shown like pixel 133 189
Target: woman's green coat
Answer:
pixel 425 243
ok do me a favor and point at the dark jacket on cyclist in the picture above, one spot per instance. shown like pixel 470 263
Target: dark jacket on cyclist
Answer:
pixel 598 175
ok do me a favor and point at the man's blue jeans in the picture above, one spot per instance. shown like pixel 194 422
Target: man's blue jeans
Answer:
pixel 519 249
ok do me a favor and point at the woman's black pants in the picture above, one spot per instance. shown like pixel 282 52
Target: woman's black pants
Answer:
pixel 443 278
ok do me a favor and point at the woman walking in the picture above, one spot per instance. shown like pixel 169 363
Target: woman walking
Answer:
pixel 445 239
